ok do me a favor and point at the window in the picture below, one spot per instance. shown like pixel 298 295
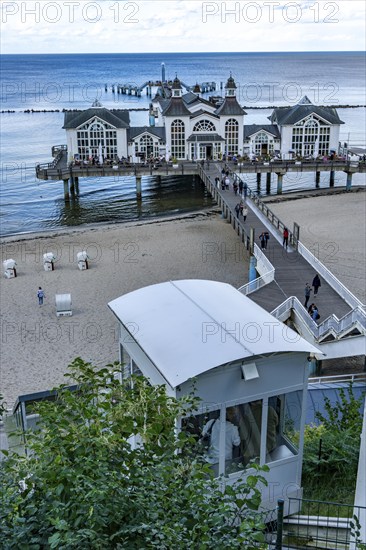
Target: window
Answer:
pixel 261 431
pixel 178 139
pixel 204 126
pixel 284 412
pixel 311 137
pixel 263 144
pixel 147 147
pixel 97 137
pixel 232 136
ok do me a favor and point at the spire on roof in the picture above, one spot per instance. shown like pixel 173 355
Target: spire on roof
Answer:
pixel 230 87
pixel 96 103
pixel 305 101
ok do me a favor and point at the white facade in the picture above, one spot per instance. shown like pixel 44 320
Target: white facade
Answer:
pixel 187 127
pixel 243 364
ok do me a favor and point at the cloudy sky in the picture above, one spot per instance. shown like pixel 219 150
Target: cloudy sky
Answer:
pixel 69 26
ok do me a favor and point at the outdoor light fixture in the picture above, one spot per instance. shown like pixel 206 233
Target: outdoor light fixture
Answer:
pixel 249 371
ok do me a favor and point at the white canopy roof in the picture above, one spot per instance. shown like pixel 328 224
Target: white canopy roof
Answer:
pixel 191 326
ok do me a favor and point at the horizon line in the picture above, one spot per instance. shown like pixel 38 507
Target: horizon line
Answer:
pixel 180 53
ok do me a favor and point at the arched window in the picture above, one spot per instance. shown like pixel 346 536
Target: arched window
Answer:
pixel 97 138
pixel 178 145
pixel 146 145
pixel 204 126
pixel 263 144
pixel 311 137
pixel 232 136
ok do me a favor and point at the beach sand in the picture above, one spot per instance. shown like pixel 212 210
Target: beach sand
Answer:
pixel 37 346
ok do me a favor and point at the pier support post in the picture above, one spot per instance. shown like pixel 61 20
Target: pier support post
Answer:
pixel 72 186
pixel 259 177
pixel 349 181
pixel 66 190
pixel 268 183
pixel 138 188
pixel 317 178
pixel 76 181
pixel 331 179
pixel 279 183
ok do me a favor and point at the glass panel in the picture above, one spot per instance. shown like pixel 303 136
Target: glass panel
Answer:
pixel 205 428
pixel 249 419
pixel 283 425
pixel 233 454
pixel 126 363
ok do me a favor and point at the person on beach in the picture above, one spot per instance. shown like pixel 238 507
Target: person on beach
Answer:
pixel 285 238
pixel 40 295
pixel 245 212
pixel 316 284
pixel 307 294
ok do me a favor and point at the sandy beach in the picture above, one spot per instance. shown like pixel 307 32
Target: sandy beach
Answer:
pixel 37 346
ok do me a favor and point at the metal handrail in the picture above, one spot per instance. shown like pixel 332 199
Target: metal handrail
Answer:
pixel 328 276
pixel 356 317
pixel 337 378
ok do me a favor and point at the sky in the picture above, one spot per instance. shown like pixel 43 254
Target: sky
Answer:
pixel 123 26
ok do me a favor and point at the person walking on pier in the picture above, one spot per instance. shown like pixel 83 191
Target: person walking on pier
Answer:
pixel 307 294
pixel 262 238
pixel 316 284
pixel 240 187
pixel 285 238
pixel 266 236
pixel 245 212
pixel 237 210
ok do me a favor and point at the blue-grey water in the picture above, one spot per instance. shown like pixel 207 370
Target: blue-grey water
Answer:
pixel 55 82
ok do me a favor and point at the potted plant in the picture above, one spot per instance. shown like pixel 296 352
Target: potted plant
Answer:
pixel 174 162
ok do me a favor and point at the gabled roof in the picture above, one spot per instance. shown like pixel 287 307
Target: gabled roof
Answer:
pixel 190 99
pixel 186 327
pixel 205 113
pixel 176 107
pixel 252 129
pixel 119 118
pixel 135 131
pixel 230 107
pixel 291 115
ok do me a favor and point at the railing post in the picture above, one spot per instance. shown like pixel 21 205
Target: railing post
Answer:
pixel 280 504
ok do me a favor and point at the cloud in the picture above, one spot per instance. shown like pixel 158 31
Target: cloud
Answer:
pixel 188 25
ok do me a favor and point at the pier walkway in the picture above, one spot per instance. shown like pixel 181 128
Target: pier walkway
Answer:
pixel 283 274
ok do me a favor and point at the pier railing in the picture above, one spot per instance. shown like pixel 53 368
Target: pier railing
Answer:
pixel 318 266
pixel 338 327
pixel 328 276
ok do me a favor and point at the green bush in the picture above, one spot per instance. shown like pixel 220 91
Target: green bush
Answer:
pixel 83 486
pixel 331 450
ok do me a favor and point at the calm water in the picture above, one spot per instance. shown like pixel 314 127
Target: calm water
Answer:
pixel 55 82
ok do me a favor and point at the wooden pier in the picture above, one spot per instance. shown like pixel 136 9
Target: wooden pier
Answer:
pixel 60 170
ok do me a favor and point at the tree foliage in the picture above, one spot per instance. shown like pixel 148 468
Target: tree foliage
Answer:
pixel 83 485
pixel 331 450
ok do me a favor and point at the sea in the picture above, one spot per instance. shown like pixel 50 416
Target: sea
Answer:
pixel 35 89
